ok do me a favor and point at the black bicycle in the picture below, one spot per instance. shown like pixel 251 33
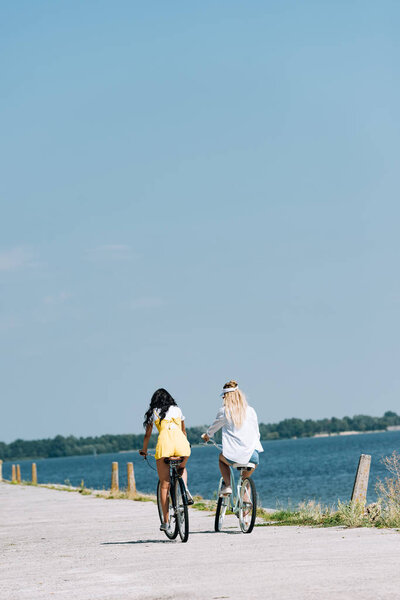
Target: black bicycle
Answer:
pixel 178 521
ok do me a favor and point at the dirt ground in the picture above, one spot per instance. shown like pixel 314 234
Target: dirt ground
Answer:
pixel 64 545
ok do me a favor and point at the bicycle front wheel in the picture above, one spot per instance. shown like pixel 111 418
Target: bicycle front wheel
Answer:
pixel 247 505
pixel 182 514
pixel 222 505
pixel 172 530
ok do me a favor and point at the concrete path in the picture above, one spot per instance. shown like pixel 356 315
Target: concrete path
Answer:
pixel 66 546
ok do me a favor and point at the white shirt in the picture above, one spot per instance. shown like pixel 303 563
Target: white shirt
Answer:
pixel 238 444
pixel 174 412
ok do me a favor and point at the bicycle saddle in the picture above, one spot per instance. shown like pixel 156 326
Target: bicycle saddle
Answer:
pixel 173 460
pixel 246 466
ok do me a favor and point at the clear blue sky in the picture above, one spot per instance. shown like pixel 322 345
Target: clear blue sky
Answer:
pixel 193 192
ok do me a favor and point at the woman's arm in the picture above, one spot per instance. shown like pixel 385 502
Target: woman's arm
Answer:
pixel 220 421
pixel 183 427
pixel 146 439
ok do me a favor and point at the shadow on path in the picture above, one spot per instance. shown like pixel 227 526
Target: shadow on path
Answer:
pixel 167 541
pixel 137 542
pixel 236 532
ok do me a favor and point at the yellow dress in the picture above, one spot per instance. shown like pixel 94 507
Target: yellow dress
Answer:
pixel 171 439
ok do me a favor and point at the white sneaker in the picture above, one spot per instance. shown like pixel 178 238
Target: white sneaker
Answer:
pixel 226 489
pixel 164 527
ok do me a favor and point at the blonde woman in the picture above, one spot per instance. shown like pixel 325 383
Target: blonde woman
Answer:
pixel 240 433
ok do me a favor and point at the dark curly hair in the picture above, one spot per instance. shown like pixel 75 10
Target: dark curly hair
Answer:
pixel 161 400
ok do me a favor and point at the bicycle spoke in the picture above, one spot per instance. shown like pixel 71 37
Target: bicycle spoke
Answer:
pixel 247 505
pixel 172 530
pixel 182 514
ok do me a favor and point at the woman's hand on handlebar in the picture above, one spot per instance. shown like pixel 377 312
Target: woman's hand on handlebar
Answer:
pixel 143 452
pixel 205 437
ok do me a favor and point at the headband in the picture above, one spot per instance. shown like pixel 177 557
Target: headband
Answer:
pixel 226 390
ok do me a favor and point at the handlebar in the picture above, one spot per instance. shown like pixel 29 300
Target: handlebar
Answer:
pixel 210 441
pixel 146 454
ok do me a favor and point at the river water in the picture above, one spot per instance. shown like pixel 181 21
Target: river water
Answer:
pixel 290 470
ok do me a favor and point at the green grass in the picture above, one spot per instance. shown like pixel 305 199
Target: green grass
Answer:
pixel 201 503
pixel 312 514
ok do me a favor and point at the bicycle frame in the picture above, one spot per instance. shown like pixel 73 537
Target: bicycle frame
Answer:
pixel 173 476
pixel 178 521
pixel 243 494
pixel 233 500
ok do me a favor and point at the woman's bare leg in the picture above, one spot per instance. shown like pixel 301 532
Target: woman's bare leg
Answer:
pixel 183 466
pixel 225 469
pixel 248 472
pixel 245 474
pixel 163 475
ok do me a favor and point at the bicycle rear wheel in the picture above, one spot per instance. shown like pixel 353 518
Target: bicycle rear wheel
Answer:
pixel 172 530
pixel 247 505
pixel 182 514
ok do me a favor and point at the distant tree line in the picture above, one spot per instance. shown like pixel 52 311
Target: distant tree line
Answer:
pixel 288 428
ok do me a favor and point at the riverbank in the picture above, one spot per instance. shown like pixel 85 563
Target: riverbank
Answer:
pixel 63 546
pixel 200 503
pixel 324 434
pixel 290 471
pixel 307 513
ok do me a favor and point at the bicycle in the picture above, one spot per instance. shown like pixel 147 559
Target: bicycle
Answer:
pixel 243 503
pixel 178 515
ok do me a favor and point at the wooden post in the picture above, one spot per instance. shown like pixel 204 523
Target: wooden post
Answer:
pixel 114 477
pixel 361 481
pixel 13 475
pixel 34 474
pixel 131 479
pixel 1 470
pixel 18 474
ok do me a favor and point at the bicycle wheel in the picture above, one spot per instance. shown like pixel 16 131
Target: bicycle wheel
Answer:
pixel 172 530
pixel 182 515
pixel 247 505
pixel 222 505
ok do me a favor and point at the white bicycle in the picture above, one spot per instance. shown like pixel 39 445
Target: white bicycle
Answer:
pixel 242 501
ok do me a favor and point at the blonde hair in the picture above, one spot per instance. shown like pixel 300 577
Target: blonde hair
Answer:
pixel 235 404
